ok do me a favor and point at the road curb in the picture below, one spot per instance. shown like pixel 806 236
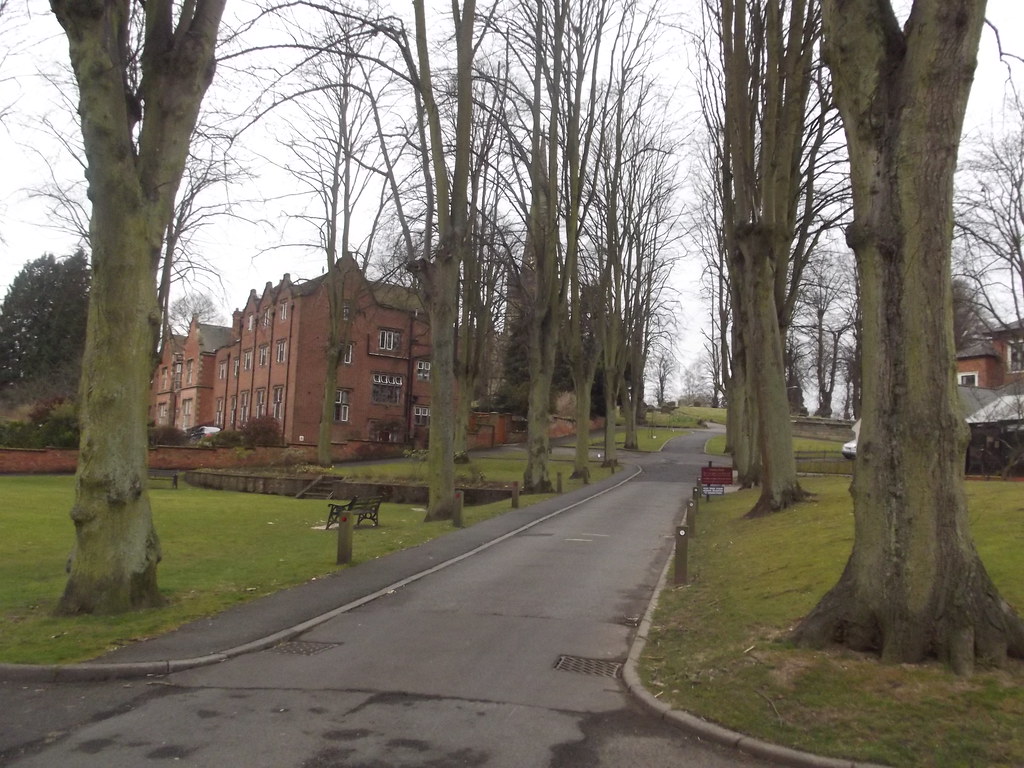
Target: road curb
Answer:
pixel 704 729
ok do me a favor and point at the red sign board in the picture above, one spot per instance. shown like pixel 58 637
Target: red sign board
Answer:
pixel 716 475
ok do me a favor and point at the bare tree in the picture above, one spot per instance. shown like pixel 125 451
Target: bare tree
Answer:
pixel 914 586
pixel 663 367
pixel 990 218
pixel 825 318
pixel 192 305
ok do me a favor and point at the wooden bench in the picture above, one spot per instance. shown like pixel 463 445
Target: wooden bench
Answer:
pixel 365 508
pixel 165 474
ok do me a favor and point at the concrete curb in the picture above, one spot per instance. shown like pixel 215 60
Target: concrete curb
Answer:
pixel 100 671
pixel 704 729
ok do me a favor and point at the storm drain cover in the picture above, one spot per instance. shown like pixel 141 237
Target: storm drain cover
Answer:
pixel 300 648
pixel 585 666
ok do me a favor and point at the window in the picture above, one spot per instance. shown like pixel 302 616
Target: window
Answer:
pixel 387 388
pixel 188 371
pixel 282 348
pixel 346 310
pixel 164 378
pixel 186 413
pixel 248 360
pixel 267 314
pixel 346 355
pixel 251 322
pixel 177 375
pixel 341 398
pixel 420 415
pixel 163 413
pixel 234 408
pixel 968 379
pixel 236 367
pixel 389 340
pixel 261 403
pixel 278 403
pixel 423 370
pixel 264 355
pixel 218 415
pixel 243 411
pixel 1016 355
pixel 282 311
pixel 222 369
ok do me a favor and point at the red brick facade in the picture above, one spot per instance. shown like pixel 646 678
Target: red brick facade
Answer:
pixel 995 362
pixel 273 363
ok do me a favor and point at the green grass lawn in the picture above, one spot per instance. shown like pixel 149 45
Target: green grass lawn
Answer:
pixel 718 647
pixel 219 548
pixel 649 438
pixel 686 416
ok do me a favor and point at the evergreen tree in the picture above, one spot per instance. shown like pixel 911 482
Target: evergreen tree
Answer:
pixel 42 323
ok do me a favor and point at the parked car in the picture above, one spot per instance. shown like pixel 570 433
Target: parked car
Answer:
pixel 850 449
pixel 198 433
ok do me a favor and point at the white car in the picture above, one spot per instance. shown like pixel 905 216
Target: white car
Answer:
pixel 850 449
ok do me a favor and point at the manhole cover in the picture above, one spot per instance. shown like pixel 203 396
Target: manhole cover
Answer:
pixel 585 666
pixel 300 648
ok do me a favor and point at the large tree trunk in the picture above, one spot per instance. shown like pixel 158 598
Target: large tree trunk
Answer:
pixel 132 186
pixel 914 586
pixel 113 568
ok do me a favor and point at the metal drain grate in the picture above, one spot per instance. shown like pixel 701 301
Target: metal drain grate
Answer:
pixel 300 648
pixel 584 666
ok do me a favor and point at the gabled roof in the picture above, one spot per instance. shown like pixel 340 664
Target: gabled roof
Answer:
pixel 982 348
pixel 397 297
pixel 213 337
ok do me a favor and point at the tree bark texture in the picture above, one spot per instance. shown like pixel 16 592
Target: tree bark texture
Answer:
pixel 914 586
pixel 132 186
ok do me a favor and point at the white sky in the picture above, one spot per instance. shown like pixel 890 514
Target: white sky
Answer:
pixel 34 43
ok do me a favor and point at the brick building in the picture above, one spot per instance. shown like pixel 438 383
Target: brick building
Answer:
pixel 272 362
pixel 993 362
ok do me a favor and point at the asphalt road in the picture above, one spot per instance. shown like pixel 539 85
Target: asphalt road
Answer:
pixel 456 669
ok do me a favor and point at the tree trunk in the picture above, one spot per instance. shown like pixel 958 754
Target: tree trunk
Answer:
pixel 779 486
pixel 442 282
pixel 914 586
pixel 113 567
pixel 335 289
pixel 134 170
pixel 583 380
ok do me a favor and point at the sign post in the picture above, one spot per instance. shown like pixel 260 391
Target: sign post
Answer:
pixel 714 479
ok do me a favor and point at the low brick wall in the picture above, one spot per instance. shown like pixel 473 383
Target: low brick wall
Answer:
pixel 28 461
pixel 823 429
pixel 291 485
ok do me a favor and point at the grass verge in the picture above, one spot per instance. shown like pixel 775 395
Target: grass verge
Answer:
pixel 719 646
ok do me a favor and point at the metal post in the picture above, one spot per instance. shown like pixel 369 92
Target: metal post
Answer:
pixel 515 494
pixel 680 576
pixel 457 512
pixel 346 525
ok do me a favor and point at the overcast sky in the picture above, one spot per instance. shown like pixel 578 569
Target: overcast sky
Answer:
pixel 35 44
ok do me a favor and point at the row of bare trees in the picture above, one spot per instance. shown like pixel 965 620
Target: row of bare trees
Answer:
pixel 521 174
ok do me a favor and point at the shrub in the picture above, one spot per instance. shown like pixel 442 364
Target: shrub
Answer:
pixel 226 438
pixel 165 434
pixel 264 430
